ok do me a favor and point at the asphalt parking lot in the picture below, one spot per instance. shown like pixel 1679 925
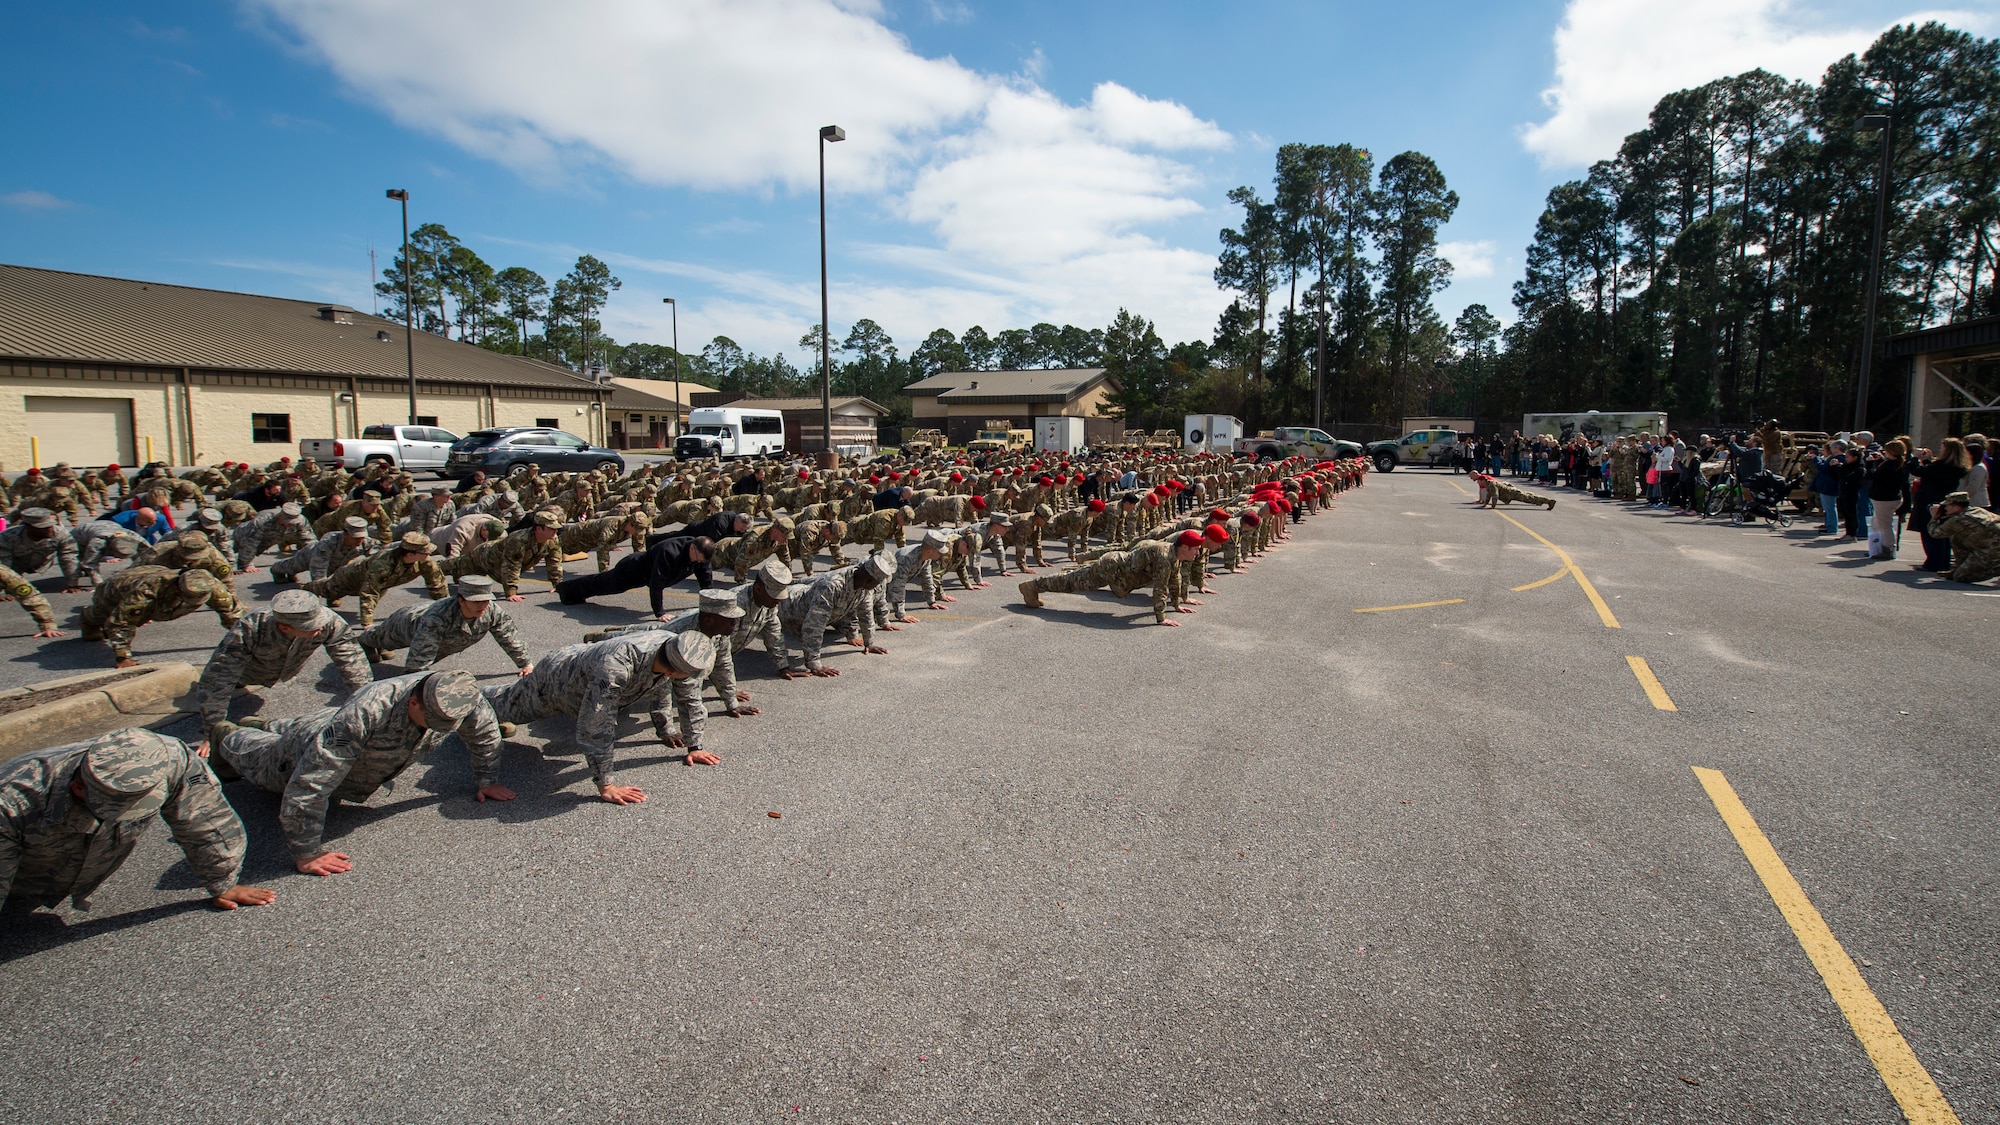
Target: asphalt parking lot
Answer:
pixel 1394 829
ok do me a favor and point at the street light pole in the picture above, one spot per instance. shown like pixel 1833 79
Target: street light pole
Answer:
pixel 828 459
pixel 402 195
pixel 677 363
pixel 1883 124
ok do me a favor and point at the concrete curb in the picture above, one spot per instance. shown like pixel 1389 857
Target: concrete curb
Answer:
pixel 164 690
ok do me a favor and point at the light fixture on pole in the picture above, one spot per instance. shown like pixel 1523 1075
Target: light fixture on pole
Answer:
pixel 1883 124
pixel 402 195
pixel 675 306
pixel 828 459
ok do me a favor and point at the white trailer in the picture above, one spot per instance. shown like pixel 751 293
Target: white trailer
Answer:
pixel 1602 425
pixel 1061 434
pixel 1210 433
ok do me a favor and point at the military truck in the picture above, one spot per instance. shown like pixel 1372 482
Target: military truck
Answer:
pixel 999 437
pixel 1418 447
pixel 923 443
pixel 1286 441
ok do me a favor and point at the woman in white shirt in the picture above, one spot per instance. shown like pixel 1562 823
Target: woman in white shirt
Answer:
pixel 1665 461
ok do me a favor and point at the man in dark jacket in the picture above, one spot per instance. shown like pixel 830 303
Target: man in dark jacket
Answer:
pixel 720 526
pixel 264 497
pixel 664 563
pixel 891 498
pixel 476 480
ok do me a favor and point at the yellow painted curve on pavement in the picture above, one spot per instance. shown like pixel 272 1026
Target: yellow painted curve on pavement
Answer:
pixel 1569 565
pixel 1908 1081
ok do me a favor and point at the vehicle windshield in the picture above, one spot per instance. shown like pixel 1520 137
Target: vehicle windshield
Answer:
pixel 708 430
pixel 1318 435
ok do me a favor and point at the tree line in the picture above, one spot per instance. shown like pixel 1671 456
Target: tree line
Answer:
pixel 1717 267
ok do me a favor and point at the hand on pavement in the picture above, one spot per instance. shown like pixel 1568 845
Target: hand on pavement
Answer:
pixel 242 896
pixel 621 794
pixel 516 598
pixel 326 863
pixel 494 793
pixel 703 758
pixel 876 650
pixel 528 669
pixel 51 632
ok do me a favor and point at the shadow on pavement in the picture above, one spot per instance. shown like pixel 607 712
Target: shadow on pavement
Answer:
pixel 24 935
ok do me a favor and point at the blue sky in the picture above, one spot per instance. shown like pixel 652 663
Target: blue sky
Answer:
pixel 1006 163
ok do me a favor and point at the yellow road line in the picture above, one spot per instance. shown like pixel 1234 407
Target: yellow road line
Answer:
pixel 1563 573
pixel 1412 605
pixel 1654 690
pixel 1906 1077
pixel 1589 591
pixel 1454 484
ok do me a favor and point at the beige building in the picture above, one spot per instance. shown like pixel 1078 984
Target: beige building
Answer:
pixel 856 420
pixel 643 413
pixel 961 403
pixel 96 370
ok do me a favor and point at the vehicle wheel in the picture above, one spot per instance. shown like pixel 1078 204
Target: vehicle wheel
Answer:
pixel 1714 504
pixel 378 459
pixel 517 471
pixel 1782 521
pixel 608 468
pixel 1736 517
pixel 1385 463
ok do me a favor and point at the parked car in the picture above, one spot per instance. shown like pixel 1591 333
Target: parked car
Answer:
pixel 1285 441
pixel 730 432
pixel 1431 447
pixel 407 447
pixel 509 450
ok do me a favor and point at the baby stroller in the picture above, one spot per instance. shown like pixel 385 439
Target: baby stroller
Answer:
pixel 1763 496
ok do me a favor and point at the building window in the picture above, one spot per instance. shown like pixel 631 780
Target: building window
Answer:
pixel 427 420
pixel 271 429
pixel 551 423
pixel 636 417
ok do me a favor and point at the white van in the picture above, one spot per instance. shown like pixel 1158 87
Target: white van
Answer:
pixel 729 432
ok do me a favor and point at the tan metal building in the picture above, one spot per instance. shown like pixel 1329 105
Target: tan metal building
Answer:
pixel 961 402
pixel 96 370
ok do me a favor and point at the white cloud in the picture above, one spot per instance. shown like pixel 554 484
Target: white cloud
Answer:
pixel 1026 206
pixel 35 201
pixel 1469 259
pixel 1616 58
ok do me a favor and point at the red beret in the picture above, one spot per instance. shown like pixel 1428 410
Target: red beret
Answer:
pixel 805 474
pixel 1217 514
pixel 979 503
pixel 1216 532
pixel 111 467
pixel 999 472
pixel 1190 538
pixel 1018 472
pixel 1251 518
pixel 957 477
pixel 874 480
pixel 1096 505
pixel 284 460
pixel 1152 500
pixel 1282 505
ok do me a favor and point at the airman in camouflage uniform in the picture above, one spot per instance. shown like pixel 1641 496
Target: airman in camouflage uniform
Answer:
pixel 433 632
pixel 270 646
pixel 429 512
pixel 718 616
pixel 189 549
pixel 1494 492
pixel 505 558
pixel 345 754
pixel 502 504
pixel 1151 563
pixel 1975 538
pixel 842 597
pixel 596 683
pixel 71 815
pixel 268 529
pixel 368 508
pixel 20 547
pixel 328 554
pixel 686 511
pixel 406 559
pixel 139 595
pixel 914 563
pixel 1073 526
pixel 602 535
pixel 878 527
pixel 766 542
pixel 809 537
pixel 101 541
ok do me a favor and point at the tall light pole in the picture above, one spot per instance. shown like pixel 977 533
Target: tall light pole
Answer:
pixel 828 459
pixel 677 363
pixel 402 195
pixel 1883 124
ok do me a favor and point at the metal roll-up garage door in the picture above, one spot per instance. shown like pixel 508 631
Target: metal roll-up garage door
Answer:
pixel 82 431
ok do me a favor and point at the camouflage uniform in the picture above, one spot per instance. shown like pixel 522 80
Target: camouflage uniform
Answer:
pixel 139 595
pixel 100 541
pixel 504 559
pixel 948 510
pixel 1150 563
pixel 596 683
pixel 255 654
pixel 1975 537
pixel 809 608
pixel 53 845
pixel 188 550
pixel 722 675
pixel 23 554
pixel 1493 493
pixel 273 527
pixel 236 513
pixel 808 538
pixel 328 554
pixel 755 547
pixel 462 534
pixel 347 753
pixel 378 520
pixel 1073 527
pixel 891 597
pixel 427 514
pixel 433 632
pixel 685 511
pixel 602 535
pixel 878 528
pixel 381 572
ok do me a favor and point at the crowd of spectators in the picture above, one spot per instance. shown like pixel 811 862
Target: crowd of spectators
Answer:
pixel 1867 489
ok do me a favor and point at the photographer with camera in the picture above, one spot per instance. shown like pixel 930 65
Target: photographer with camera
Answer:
pixel 1889 492
pixel 1937 477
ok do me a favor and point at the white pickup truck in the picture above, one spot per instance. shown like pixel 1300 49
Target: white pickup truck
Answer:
pixel 407 447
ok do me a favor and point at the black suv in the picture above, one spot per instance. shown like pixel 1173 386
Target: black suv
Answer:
pixel 509 450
